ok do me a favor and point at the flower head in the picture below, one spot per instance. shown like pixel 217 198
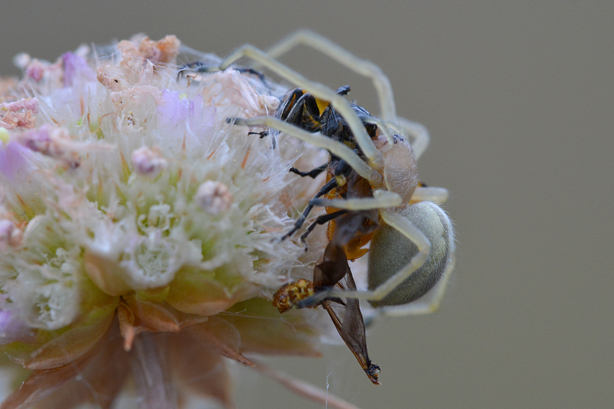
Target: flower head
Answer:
pixel 133 216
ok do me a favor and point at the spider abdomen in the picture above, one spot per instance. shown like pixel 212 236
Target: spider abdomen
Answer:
pixel 391 251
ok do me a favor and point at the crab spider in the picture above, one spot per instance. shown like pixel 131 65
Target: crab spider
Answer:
pixel 412 250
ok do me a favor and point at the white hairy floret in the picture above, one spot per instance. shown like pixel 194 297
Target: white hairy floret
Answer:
pixel 123 173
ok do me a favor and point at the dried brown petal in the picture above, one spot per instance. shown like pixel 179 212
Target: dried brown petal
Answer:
pixel 264 330
pixel 221 336
pixel 200 368
pixel 192 293
pixel 97 376
pixel 62 349
pixel 153 315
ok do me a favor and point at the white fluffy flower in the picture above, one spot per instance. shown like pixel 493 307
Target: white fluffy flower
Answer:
pixel 126 198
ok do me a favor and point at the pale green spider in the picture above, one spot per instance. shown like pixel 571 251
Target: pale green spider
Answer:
pixel 412 250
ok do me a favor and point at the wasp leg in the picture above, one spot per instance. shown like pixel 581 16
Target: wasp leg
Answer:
pixel 312 173
pixel 253 72
pixel 344 57
pixel 334 147
pixel 319 221
pixel 299 222
pixel 341 105
pixel 437 195
pixel 263 135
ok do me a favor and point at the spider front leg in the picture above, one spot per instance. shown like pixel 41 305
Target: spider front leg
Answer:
pixel 334 147
pixel 341 105
pixel 381 199
pixel 344 57
pixel 417 132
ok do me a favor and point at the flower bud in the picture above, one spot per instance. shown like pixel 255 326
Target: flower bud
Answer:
pixel 10 235
pixel 213 197
pixel 148 162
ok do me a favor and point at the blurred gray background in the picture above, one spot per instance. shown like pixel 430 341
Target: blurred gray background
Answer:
pixel 518 98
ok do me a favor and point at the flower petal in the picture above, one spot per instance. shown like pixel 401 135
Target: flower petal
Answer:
pixel 153 315
pixel 194 293
pixel 13 160
pixel 95 377
pixel 106 273
pixel 222 336
pixel 56 348
pixel 200 368
pixel 265 331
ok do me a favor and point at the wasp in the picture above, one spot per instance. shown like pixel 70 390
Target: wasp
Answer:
pixel 304 111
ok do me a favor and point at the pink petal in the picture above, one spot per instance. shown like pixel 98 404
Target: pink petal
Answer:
pixel 13 162
pixel 76 68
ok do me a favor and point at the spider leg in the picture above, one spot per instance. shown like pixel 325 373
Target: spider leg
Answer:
pixel 426 278
pixel 334 147
pixel 425 305
pixel 437 195
pixel 381 199
pixel 381 125
pixel 418 133
pixel 344 57
pixel 319 91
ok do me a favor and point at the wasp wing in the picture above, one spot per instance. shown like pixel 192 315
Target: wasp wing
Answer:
pixel 348 320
